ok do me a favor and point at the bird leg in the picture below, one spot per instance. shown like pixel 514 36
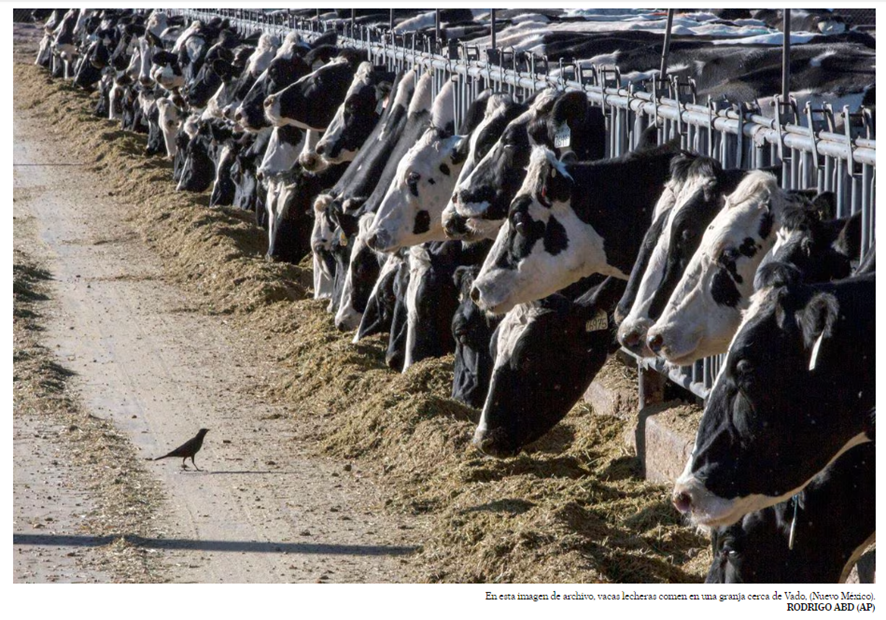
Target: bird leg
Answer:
pixel 184 465
pixel 195 464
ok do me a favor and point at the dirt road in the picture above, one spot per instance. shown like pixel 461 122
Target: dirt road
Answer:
pixel 262 511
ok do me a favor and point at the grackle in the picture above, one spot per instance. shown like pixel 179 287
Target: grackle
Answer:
pixel 188 449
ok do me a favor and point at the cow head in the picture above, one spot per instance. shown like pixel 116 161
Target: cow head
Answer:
pixel 529 394
pixel 698 186
pixel 540 242
pixel 410 212
pixel 793 394
pixel 704 310
pixel 355 118
pixel 311 102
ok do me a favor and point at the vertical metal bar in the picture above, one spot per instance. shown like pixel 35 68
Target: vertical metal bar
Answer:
pixel 391 21
pixel 666 48
pixel 786 58
pixel 436 27
pixel 492 27
pixel 353 21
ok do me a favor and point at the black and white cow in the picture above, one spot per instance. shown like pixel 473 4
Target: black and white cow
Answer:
pixel 472 330
pixel 564 122
pixel 570 220
pixel 311 102
pixel 705 307
pixel 355 119
pixel 698 186
pixel 379 313
pixel 363 271
pixel 431 300
pixel 410 212
pixel 822 248
pixel 815 537
pixel 499 111
pixel 546 354
pixel 795 392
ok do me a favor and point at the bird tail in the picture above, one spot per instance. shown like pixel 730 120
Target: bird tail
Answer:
pixel 160 457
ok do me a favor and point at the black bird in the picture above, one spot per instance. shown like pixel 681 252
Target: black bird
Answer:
pixel 188 449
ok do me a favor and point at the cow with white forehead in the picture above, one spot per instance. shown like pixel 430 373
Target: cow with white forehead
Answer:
pixel 705 307
pixel 170 118
pixel 697 188
pixel 797 390
pixel 546 355
pixel 409 213
pixel 570 220
pixel 321 249
pixel 354 120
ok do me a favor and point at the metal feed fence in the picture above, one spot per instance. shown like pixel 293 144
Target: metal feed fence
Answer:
pixel 815 151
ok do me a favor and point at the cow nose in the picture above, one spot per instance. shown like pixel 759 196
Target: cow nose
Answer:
pixel 631 338
pixel 475 294
pixel 682 501
pixel 320 148
pixel 238 116
pixel 655 343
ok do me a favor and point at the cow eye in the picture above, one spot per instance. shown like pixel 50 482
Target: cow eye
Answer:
pixel 413 177
pixel 519 221
pixel 687 235
pixel 743 368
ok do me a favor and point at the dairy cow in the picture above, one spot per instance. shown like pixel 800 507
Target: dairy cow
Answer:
pixel 795 392
pixel 530 391
pixel 814 537
pixel 570 220
pixel 704 310
pixel 698 186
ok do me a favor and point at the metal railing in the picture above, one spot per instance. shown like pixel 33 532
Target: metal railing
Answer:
pixel 815 151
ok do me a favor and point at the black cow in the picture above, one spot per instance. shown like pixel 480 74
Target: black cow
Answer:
pixel 796 390
pixel 546 354
pixel 815 537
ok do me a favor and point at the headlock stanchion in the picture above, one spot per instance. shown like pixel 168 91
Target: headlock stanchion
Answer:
pixel 814 153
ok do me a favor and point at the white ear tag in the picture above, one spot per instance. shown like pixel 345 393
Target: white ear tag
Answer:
pixel 600 321
pixel 343 239
pixel 563 136
pixel 814 358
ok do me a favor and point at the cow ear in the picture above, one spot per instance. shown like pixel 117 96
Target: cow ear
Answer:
pixel 816 320
pixel 826 205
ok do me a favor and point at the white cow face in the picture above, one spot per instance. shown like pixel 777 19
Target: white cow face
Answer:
pixel 543 246
pixel 321 246
pixel 411 209
pixel 170 121
pixel 704 310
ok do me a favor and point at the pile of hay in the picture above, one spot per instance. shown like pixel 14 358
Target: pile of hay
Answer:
pixel 571 509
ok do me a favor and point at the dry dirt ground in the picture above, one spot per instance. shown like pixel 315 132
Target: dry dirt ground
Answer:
pixel 146 316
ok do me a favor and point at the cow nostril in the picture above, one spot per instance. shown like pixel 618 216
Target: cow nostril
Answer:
pixel 238 116
pixel 475 294
pixel 269 102
pixel 682 502
pixel 320 149
pixel 655 343
pixel 631 339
